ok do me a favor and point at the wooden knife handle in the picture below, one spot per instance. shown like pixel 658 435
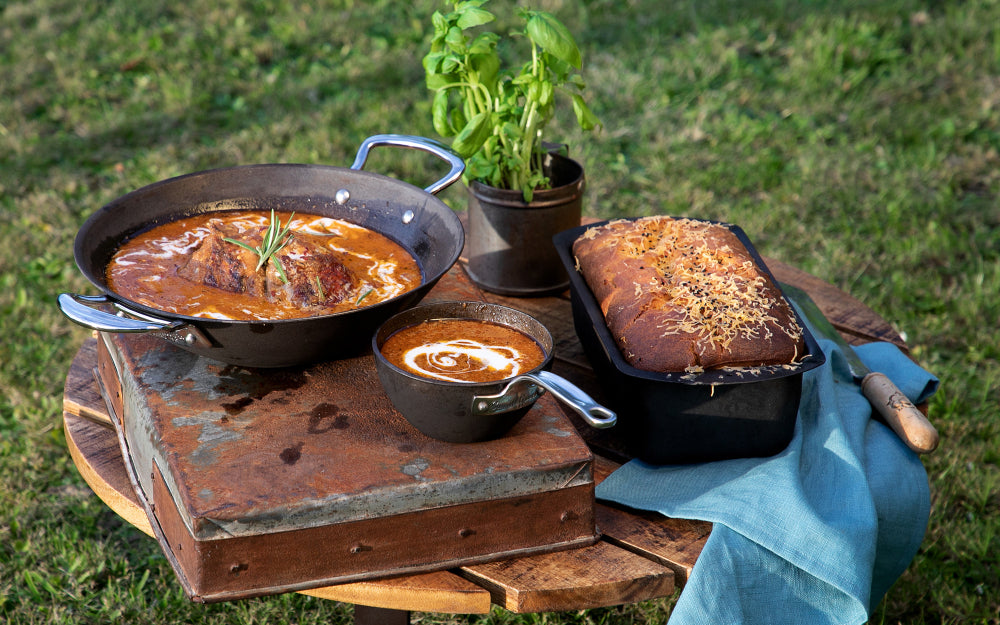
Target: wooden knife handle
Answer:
pixel 899 412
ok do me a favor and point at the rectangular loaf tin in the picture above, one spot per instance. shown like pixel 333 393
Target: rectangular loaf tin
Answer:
pixel 681 418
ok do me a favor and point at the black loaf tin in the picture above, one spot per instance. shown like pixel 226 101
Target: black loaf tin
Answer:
pixel 683 418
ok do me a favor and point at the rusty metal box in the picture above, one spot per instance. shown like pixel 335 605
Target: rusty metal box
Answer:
pixel 266 481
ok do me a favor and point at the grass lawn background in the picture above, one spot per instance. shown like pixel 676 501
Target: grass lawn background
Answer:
pixel 858 141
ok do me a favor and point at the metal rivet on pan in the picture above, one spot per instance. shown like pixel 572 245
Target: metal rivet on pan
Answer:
pixel 408 216
pixel 190 339
pixel 342 196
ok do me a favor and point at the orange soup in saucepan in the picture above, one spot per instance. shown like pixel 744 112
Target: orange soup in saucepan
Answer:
pixel 463 350
pixel 206 266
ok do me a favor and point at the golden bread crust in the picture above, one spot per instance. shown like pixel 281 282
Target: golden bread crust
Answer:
pixel 685 295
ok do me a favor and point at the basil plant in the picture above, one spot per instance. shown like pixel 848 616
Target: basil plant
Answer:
pixel 496 116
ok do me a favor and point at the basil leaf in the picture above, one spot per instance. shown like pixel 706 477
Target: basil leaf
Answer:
pixel 451 64
pixel 472 17
pixel 455 39
pixel 473 135
pixel 484 43
pixel 440 23
pixel 439 114
pixel 436 82
pixel 549 34
pixel 487 67
pixel 432 62
pixel 584 116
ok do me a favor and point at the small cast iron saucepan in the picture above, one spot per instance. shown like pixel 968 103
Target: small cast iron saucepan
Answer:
pixel 466 412
pixel 413 217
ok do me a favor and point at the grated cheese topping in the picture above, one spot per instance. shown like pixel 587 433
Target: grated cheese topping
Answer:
pixel 722 295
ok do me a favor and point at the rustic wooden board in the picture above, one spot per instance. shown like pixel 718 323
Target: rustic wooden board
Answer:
pixel 326 434
pixel 95 451
pixel 674 543
pixel 589 577
pixel 440 591
pixel 82 396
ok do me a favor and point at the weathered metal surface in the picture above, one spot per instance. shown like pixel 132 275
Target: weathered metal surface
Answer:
pixel 246 451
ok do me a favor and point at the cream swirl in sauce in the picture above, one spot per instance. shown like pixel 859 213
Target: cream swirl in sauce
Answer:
pixel 462 350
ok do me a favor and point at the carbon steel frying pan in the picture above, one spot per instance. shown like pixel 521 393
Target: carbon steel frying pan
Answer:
pixel 411 216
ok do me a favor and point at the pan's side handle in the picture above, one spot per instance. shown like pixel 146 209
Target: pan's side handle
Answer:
pixel 436 148
pixel 523 390
pixel 596 415
pixel 84 310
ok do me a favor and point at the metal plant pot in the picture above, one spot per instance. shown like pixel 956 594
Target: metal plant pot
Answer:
pixel 509 242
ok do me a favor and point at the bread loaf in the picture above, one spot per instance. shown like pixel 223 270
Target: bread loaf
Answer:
pixel 685 295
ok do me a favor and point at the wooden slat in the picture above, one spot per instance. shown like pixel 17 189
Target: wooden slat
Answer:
pixel 590 577
pixel 82 397
pixel 98 457
pixel 430 592
pixel 674 543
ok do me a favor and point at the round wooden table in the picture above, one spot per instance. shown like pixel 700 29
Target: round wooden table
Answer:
pixel 639 556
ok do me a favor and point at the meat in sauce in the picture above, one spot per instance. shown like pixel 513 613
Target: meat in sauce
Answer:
pixel 329 265
pixel 313 274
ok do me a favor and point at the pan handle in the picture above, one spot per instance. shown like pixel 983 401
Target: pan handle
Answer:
pixel 83 309
pixel 522 389
pixel 436 148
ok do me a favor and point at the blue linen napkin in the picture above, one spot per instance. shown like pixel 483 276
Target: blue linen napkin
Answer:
pixel 815 534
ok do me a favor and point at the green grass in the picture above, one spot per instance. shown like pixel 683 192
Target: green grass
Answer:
pixel 859 141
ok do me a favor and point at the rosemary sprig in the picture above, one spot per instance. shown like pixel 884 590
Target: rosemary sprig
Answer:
pixel 275 238
pixel 364 295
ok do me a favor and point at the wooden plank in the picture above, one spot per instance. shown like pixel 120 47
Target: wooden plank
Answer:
pixel 98 458
pixel 82 397
pixel 325 445
pixel 595 576
pixel 674 543
pixel 439 591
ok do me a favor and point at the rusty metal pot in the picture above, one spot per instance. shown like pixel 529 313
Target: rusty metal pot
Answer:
pixel 466 412
pixel 411 216
pixel 509 246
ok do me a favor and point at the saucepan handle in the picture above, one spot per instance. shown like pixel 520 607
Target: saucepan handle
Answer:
pixel 524 389
pixel 436 148
pixel 85 310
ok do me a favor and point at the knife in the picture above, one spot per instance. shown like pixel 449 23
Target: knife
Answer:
pixel 896 409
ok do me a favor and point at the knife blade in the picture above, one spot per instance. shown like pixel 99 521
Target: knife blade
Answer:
pixel 905 419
